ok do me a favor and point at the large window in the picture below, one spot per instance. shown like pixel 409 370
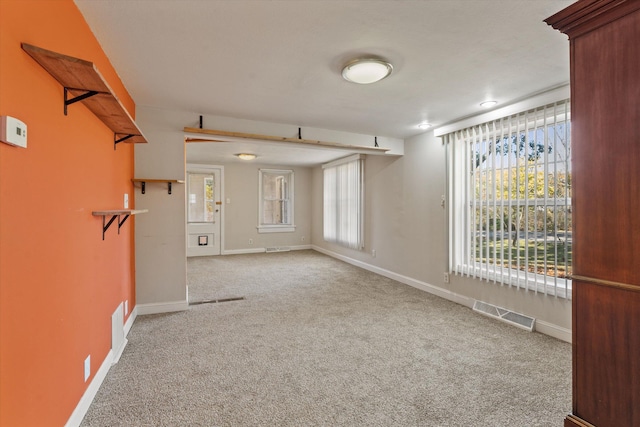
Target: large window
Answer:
pixel 510 193
pixel 343 201
pixel 276 201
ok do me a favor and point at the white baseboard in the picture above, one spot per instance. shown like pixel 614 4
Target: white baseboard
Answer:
pixel 423 286
pixel 85 401
pixel 555 331
pixel 129 323
pixel 90 393
pixel 161 307
pixel 260 250
pixel 126 328
pixel 243 251
pixel 543 327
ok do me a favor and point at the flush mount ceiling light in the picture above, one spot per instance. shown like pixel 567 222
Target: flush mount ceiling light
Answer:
pixel 366 71
pixel 488 104
pixel 246 156
pixel 424 125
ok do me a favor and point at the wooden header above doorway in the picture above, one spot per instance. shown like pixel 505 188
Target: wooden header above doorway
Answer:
pixel 268 138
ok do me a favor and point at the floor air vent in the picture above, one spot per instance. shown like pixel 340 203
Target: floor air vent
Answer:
pixel 279 249
pixel 214 301
pixel 516 319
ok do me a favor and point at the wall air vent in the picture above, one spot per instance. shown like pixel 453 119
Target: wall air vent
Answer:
pixel 215 301
pixel 278 249
pixel 508 316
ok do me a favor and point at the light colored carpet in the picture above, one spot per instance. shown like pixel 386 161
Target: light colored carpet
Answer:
pixel 318 342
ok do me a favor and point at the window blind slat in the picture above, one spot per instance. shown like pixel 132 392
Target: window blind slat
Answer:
pixel 509 197
pixel 343 202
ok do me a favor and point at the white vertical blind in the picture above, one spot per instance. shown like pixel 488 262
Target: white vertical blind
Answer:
pixel 343 201
pixel 510 197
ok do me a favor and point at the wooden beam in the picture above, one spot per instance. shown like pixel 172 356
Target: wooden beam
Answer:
pixel 258 137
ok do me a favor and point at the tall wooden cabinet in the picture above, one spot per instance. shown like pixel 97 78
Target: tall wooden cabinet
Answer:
pixel 604 37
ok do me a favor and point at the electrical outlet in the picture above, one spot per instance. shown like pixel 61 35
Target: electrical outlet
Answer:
pixel 373 253
pixel 87 368
pixel 126 201
pixel 446 277
pixel 251 241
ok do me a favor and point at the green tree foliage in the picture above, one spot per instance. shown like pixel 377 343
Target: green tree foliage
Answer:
pixel 515 193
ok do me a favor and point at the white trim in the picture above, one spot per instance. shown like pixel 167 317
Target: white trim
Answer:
pixel 90 393
pixel 276 228
pixel 261 250
pixel 423 286
pixel 125 329
pixel 209 168
pixel 162 307
pixel 116 355
pixel 543 327
pixel 243 251
pixel 129 323
pixel 544 98
pixel 552 330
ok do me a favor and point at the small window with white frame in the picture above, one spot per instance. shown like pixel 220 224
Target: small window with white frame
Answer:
pixel 275 208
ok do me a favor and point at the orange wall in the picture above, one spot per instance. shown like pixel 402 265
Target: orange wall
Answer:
pixel 59 282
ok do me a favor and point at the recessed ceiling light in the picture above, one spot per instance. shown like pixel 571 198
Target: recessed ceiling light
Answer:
pixel 488 104
pixel 366 71
pixel 424 125
pixel 246 156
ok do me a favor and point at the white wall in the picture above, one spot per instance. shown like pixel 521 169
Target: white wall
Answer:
pixel 161 268
pixel 405 222
pixel 161 273
pixel 241 215
pixel 406 225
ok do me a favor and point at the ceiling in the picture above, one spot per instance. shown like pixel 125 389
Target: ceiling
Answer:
pixel 280 61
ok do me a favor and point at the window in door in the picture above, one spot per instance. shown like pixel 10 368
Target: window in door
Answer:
pixel 201 203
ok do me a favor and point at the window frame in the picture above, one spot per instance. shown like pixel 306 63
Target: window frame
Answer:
pixel 289 226
pixel 465 228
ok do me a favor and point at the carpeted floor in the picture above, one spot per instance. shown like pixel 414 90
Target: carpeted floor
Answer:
pixel 318 342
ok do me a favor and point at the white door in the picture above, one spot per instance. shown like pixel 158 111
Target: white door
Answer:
pixel 204 205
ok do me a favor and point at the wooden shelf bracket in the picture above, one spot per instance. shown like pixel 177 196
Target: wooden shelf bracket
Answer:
pixel 143 183
pixel 82 82
pixel 75 99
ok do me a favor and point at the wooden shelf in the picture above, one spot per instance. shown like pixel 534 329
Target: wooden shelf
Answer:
pixel 143 182
pixel 269 138
pixel 84 83
pixel 116 213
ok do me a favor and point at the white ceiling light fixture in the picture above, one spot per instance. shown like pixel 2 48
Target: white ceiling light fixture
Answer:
pixel 424 125
pixel 488 104
pixel 246 156
pixel 366 70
